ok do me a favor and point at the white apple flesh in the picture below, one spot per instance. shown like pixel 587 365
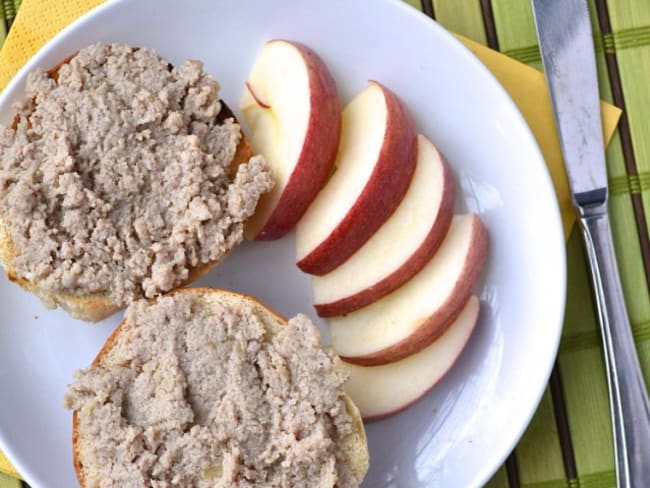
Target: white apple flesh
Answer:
pixel 374 166
pixel 413 316
pixel 385 390
pixel 292 107
pixel 401 246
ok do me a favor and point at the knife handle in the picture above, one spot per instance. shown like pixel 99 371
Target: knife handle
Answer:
pixel 629 404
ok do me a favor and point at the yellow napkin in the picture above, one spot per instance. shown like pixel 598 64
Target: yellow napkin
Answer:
pixel 38 20
pixel 527 87
pixel 7 468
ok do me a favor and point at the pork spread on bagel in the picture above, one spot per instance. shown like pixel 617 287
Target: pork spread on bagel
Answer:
pixel 209 388
pixel 121 177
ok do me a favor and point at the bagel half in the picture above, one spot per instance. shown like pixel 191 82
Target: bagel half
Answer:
pixel 351 449
pixel 97 306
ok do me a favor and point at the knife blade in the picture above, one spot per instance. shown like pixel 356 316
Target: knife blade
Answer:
pixel 566 45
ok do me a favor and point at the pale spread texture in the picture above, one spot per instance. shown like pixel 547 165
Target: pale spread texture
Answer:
pixel 116 178
pixel 197 394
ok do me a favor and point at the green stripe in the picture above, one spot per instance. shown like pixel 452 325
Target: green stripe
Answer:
pixel 573 483
pixel 621 185
pixel 599 42
pixel 528 54
pixel 9 9
pixel 602 479
pixel 609 43
pixel 579 341
pixel 589 339
pixel 3 27
pixel 560 483
pixel 628 38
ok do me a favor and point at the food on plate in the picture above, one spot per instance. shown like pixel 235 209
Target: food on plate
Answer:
pixel 122 177
pixel 384 390
pixel 374 166
pixel 293 110
pixel 413 316
pixel 205 387
pixel 401 246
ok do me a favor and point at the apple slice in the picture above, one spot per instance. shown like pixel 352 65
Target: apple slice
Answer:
pixel 413 316
pixel 380 391
pixel 374 166
pixel 292 108
pixel 401 246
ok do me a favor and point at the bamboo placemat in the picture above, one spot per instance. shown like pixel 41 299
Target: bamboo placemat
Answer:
pixel 568 443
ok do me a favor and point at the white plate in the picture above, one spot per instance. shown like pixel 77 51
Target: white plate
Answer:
pixel 464 429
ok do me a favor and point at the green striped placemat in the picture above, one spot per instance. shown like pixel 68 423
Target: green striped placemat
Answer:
pixel 568 443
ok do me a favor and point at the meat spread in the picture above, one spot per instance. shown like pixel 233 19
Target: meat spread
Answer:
pixel 116 179
pixel 196 395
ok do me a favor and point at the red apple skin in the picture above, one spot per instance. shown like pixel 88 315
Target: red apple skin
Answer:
pixel 380 197
pixel 317 156
pixel 257 99
pixel 436 324
pixel 376 418
pixel 420 257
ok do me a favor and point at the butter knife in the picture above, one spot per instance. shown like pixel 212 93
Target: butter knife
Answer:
pixel 566 44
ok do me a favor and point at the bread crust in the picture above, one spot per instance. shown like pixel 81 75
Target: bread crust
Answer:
pixel 98 306
pixel 354 447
